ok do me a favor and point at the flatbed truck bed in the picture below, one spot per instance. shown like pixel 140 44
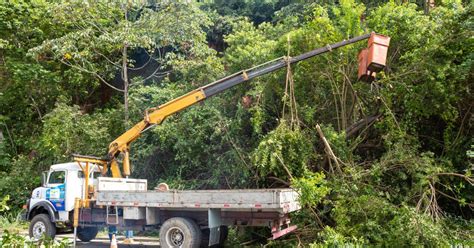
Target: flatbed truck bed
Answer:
pixel 126 204
pixel 281 201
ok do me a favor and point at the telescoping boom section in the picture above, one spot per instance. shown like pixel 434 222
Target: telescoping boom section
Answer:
pixel 157 115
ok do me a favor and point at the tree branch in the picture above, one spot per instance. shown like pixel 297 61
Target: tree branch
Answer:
pixel 280 180
pixel 453 198
pixel 328 148
pixel 468 179
pixel 91 72
pixel 107 58
pixel 365 122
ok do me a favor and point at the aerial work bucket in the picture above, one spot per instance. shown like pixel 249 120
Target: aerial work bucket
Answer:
pixel 377 54
pixel 364 74
pixel 373 59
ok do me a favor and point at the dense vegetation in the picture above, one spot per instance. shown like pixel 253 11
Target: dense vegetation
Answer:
pixel 73 76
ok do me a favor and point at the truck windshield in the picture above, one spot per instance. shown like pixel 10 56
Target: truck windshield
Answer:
pixel 57 177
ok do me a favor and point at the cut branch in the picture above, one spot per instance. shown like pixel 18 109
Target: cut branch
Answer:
pixel 280 180
pixel 453 198
pixel 363 123
pixel 468 179
pixel 328 148
pixel 284 166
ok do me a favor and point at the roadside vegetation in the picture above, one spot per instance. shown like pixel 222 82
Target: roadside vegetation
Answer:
pixel 12 230
pixel 396 169
pixel 16 240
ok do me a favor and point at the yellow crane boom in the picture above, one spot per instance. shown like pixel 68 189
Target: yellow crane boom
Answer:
pixel 155 116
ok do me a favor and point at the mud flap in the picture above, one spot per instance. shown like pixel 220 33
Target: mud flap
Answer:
pixel 281 227
pixel 215 222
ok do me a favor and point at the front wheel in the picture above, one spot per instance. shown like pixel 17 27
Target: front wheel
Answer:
pixel 180 232
pixel 41 226
pixel 86 234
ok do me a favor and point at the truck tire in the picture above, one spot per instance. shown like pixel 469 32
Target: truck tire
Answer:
pixel 41 226
pixel 86 234
pixel 223 237
pixel 180 232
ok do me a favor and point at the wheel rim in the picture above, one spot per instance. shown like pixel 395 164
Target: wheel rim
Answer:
pixel 175 237
pixel 39 228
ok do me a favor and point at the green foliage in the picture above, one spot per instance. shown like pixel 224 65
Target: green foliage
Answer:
pixel 248 45
pixel 402 163
pixel 339 143
pixel 283 153
pixel 347 17
pixel 14 240
pixel 409 228
pixel 66 130
pixel 312 187
pixel 19 180
pixel 185 149
pixel 9 239
pixel 435 82
pixel 3 204
pixel 331 238
pixel 101 31
pixel 11 221
pixel 371 219
pixel 4 154
pixel 257 11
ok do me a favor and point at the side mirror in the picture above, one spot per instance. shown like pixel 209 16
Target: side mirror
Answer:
pixel 44 178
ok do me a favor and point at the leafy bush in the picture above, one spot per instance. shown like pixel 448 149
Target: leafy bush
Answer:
pixel 3 204
pixel 67 130
pixel 312 188
pixel 19 181
pixel 16 240
pixel 11 221
pixel 283 152
pixel 372 219
pixel 331 238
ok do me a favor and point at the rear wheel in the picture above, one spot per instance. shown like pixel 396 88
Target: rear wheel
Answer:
pixel 180 232
pixel 86 234
pixel 41 226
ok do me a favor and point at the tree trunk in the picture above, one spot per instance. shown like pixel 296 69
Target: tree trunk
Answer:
pixel 125 74
pixel 125 84
pixel 429 4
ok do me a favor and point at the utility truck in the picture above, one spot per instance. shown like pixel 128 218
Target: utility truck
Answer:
pixel 81 195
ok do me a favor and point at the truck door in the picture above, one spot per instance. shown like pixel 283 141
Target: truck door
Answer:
pixel 74 188
pixel 56 192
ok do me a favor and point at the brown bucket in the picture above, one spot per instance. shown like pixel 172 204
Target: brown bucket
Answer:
pixel 377 53
pixel 364 74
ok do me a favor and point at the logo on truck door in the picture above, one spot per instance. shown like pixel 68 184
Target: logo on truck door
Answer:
pixel 54 193
pixel 56 196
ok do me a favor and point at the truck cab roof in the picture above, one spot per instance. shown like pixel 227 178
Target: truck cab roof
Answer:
pixel 71 166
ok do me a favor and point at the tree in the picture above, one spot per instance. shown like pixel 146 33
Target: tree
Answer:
pixel 105 37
